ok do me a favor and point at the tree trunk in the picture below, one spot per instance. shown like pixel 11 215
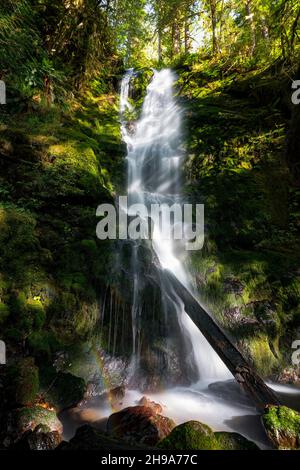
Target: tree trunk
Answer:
pixel 213 18
pixel 249 15
pixel 243 373
pixel 186 36
pixel 159 46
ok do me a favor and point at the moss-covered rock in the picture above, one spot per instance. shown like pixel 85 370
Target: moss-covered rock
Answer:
pixel 28 418
pixel 234 441
pixel 23 381
pixel 192 435
pixel 282 425
pixel 61 389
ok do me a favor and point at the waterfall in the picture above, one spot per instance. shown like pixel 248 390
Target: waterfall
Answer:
pixel 155 155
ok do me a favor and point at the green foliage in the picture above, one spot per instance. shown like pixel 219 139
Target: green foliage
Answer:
pixel 23 381
pixel 4 312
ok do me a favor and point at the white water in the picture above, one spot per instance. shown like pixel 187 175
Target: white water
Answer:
pixel 157 141
pixel 155 157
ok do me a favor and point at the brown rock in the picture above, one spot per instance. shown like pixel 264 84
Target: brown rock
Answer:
pixel 39 439
pixel 116 396
pixel 139 424
pixel 156 407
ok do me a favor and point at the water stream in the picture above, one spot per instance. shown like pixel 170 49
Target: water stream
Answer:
pixel 155 157
pixel 207 391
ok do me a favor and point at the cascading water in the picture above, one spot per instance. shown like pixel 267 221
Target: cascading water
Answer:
pixel 155 156
pixel 200 390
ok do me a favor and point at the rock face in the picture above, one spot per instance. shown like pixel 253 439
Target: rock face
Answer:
pixel 194 435
pixel 139 424
pixel 39 439
pixel 282 425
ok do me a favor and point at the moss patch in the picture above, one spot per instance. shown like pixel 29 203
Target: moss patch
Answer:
pixel 192 435
pixel 234 441
pixel 30 417
pixel 282 425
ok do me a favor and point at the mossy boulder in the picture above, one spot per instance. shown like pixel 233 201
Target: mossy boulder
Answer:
pixel 192 435
pixel 62 389
pixel 28 418
pixel 23 381
pixel 282 425
pixel 234 441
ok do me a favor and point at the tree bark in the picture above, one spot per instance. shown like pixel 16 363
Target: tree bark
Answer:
pixel 243 373
pixel 213 17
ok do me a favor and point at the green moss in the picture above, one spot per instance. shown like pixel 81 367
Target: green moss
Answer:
pixel 44 343
pixel 36 309
pixel 61 389
pixel 4 312
pixel 23 381
pixel 282 425
pixel 30 417
pixel 262 355
pixel 192 435
pixel 234 441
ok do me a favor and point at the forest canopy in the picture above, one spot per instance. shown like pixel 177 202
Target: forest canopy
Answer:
pixel 78 39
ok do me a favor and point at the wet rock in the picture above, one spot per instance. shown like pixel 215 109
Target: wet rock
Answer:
pixel 116 396
pixel 88 438
pixel 139 424
pixel 282 425
pixel 28 418
pixel 235 317
pixel 234 441
pixel 156 407
pixel 290 375
pixel 61 389
pixel 192 435
pixel 233 286
pixel 40 439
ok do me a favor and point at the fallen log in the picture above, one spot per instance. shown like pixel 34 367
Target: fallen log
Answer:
pixel 244 374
